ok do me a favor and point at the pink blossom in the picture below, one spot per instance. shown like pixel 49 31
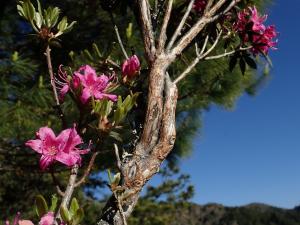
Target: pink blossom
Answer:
pixel 251 29
pixel 47 219
pixel 199 5
pixel 257 20
pixel 131 67
pixel 25 222
pixel 262 43
pixel 17 221
pixel 93 85
pixel 61 148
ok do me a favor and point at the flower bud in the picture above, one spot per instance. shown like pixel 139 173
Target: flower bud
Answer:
pixel 131 67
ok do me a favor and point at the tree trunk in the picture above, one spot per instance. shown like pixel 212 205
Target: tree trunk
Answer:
pixel 156 142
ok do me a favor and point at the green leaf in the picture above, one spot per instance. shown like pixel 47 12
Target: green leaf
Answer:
pixel 41 205
pixel 250 62
pixel 62 24
pixel 116 179
pixel 65 214
pixel 116 136
pixel 20 10
pixel 129 31
pixel 38 18
pixel 54 200
pixel 242 66
pixel 74 207
pixel 54 14
pixel 78 217
pixel 96 50
pixel 70 27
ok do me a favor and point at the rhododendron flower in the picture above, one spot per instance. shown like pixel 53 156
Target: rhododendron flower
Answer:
pixel 61 148
pixel 47 219
pixel 251 29
pixel 131 67
pixel 17 221
pixel 199 5
pixel 93 86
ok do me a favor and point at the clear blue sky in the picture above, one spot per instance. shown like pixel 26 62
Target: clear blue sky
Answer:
pixel 252 154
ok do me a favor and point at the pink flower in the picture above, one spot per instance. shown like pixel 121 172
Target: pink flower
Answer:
pixel 25 222
pixel 257 20
pixel 199 5
pixel 251 29
pixel 61 148
pixel 17 221
pixel 131 67
pixel 92 84
pixel 262 43
pixel 47 219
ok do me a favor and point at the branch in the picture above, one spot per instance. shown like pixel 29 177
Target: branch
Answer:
pixel 118 35
pixel 147 30
pixel 163 37
pixel 88 170
pixel 52 80
pixel 69 190
pixel 227 53
pixel 200 55
pixel 181 24
pixel 229 7
pixel 195 30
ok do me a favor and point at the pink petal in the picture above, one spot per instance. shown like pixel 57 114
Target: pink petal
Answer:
pixel 47 219
pixel 25 222
pixel 111 97
pixel 86 94
pixel 64 91
pixel 45 133
pixel 73 140
pixel 69 159
pixel 36 145
pixel 46 161
pixel 87 69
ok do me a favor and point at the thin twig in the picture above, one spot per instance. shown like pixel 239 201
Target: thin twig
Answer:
pixel 194 31
pixel 52 80
pixel 181 24
pixel 227 53
pixel 88 170
pixel 200 55
pixel 118 35
pixel 229 7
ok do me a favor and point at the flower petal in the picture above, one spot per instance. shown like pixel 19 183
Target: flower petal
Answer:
pixel 47 219
pixel 68 159
pixel 36 145
pixel 86 94
pixel 46 161
pixel 45 133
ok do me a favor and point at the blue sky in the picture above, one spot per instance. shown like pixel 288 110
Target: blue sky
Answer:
pixel 252 154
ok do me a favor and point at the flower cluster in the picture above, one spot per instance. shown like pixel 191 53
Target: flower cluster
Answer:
pixel 18 221
pixel 47 219
pixel 87 83
pixel 131 67
pixel 251 29
pixel 199 5
pixel 61 148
